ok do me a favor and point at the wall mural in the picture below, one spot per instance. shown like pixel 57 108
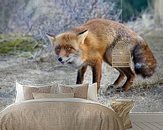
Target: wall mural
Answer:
pixel 33 53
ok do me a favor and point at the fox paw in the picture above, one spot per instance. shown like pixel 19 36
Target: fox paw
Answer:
pixel 119 90
pixel 111 86
pixel 112 89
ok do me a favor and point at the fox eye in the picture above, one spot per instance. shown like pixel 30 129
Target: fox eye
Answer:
pixel 68 48
pixel 57 49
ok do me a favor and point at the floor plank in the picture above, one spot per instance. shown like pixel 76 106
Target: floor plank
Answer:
pixel 159 125
pixel 147 121
pixel 153 125
pixel 147 126
pixel 143 126
pixel 136 127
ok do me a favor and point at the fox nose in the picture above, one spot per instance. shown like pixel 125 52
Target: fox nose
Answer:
pixel 60 59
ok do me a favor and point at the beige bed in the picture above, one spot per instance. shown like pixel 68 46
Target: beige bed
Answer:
pixel 59 114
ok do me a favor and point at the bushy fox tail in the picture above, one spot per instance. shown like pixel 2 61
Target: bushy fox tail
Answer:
pixel 144 60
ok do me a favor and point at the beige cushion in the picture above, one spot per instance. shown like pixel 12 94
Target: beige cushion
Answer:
pixel 92 92
pixel 48 95
pixel 28 90
pixel 122 107
pixel 24 92
pixel 79 90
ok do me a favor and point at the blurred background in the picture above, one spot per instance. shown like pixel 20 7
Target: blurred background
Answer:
pixel 34 17
pixel 27 56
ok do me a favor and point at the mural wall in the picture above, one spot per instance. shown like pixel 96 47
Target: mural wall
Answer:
pixel 27 56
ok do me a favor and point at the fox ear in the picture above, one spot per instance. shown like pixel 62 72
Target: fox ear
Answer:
pixel 82 36
pixel 51 37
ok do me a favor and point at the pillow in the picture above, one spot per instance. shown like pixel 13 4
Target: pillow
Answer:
pixel 48 95
pixel 24 92
pixel 19 92
pixel 79 90
pixel 92 92
pixel 122 107
pixel 28 90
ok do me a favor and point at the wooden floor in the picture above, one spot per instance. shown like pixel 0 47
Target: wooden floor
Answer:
pixel 147 121
pixel 147 126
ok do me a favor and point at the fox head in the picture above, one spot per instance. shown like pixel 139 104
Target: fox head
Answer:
pixel 68 47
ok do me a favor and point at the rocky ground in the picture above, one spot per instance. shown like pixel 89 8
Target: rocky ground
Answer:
pixel 147 93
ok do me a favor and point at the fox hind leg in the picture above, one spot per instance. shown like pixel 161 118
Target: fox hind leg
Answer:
pixel 111 88
pixel 130 78
pixel 120 77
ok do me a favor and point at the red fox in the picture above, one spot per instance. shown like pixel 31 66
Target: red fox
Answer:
pixel 90 44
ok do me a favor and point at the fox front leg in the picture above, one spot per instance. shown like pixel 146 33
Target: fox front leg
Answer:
pixel 80 75
pixel 97 73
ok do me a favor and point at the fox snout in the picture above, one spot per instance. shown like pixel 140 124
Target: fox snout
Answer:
pixel 64 59
pixel 72 60
pixel 60 60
